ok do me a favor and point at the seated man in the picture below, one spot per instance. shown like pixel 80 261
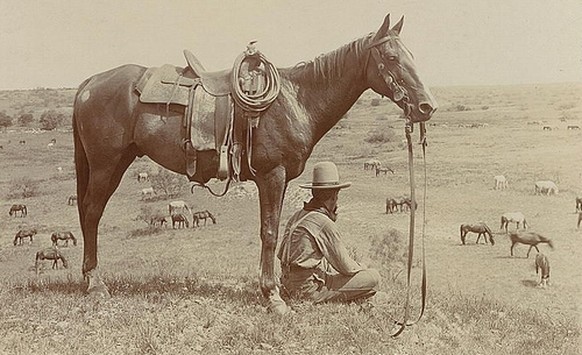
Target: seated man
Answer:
pixel 315 263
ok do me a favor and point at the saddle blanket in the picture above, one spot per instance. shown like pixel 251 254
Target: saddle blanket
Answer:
pixel 165 84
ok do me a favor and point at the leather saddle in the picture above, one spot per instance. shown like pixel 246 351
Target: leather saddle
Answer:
pixel 215 83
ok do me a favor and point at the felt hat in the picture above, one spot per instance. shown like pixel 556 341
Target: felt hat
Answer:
pixel 325 176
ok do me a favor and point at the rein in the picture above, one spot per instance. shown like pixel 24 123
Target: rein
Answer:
pixel 400 94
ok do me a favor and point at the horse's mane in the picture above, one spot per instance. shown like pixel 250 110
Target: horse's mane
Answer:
pixel 330 66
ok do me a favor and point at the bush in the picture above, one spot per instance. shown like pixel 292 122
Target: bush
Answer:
pixel 380 136
pixel 389 251
pixel 25 119
pixel 50 120
pixel 5 120
pixel 23 188
pixel 168 183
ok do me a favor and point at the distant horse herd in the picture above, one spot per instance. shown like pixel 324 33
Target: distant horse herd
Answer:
pixel 179 213
pixel 517 236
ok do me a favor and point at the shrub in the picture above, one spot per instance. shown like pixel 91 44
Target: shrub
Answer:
pixel 389 251
pixel 168 183
pixel 23 188
pixel 50 120
pixel 25 119
pixel 380 136
pixel 5 120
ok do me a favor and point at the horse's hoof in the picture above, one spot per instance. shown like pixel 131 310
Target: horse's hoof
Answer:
pixel 99 291
pixel 279 307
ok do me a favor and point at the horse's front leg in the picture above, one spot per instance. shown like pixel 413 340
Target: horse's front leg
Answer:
pixel 271 187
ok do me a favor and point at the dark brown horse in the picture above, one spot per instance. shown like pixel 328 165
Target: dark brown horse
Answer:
pixel 112 127
pixel 49 254
pixel 481 228
pixel 18 208
pixel 24 233
pixel 530 238
pixel 202 215
pixel 66 236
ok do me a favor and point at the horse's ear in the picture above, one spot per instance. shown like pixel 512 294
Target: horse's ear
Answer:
pixel 398 27
pixel 384 28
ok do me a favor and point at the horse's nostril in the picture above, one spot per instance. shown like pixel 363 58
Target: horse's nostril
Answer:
pixel 425 108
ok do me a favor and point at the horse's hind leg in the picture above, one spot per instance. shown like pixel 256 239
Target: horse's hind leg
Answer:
pixel 96 182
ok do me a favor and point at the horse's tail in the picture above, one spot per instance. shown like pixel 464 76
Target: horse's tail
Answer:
pixel 54 238
pixel 73 238
pixel 15 239
pixel 81 161
pixel 502 221
pixel 461 230
pixel 525 225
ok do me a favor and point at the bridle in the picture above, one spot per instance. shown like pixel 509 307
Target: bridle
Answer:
pixel 399 93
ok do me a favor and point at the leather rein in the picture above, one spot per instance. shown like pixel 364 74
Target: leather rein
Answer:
pixel 401 94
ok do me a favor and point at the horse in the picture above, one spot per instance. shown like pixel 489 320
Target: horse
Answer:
pixel 53 141
pixel 500 182
pixel 405 204
pixel 391 205
pixel 547 128
pixel 142 177
pixel 514 217
pixel 158 219
pixel 24 233
pixel 578 204
pixel 18 208
pixel 480 228
pixel 178 207
pixel 111 127
pixel 66 236
pixel 530 238
pixel 181 219
pixel 543 264
pixel 573 127
pixel 197 216
pixel 383 171
pixel 50 146
pixel 72 200
pixel 147 193
pixel 49 254
pixel 372 164
pixel 545 187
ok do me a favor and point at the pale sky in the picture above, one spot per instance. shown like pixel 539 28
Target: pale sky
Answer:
pixel 59 43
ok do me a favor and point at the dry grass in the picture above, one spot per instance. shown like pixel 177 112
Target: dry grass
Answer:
pixel 196 290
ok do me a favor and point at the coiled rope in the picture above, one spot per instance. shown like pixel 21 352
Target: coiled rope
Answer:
pixel 260 101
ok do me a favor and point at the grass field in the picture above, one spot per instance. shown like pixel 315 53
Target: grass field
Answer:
pixel 190 291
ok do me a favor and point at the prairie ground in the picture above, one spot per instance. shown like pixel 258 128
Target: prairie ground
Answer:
pixel 196 290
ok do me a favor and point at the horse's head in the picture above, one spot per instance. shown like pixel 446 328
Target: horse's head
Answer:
pixel 391 72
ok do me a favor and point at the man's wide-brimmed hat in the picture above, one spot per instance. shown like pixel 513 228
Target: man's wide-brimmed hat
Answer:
pixel 325 176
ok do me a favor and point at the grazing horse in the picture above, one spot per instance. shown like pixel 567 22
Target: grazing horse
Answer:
pixel 147 193
pixel 547 128
pixel 383 171
pixel 578 204
pixel 513 217
pixel 480 228
pixel 49 254
pixel 111 127
pixel 545 187
pixel 372 164
pixel 197 216
pixel 500 182
pixel 530 238
pixel 142 177
pixel 181 219
pixel 24 233
pixel 543 264
pixel 18 208
pixel 66 236
pixel 391 205
pixel 178 207
pixel 72 200
pixel 158 219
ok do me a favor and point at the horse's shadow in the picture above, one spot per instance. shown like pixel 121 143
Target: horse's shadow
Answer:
pixel 529 283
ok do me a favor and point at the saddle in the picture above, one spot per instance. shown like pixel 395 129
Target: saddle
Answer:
pixel 209 104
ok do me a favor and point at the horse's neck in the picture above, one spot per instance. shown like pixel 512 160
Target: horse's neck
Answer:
pixel 325 98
